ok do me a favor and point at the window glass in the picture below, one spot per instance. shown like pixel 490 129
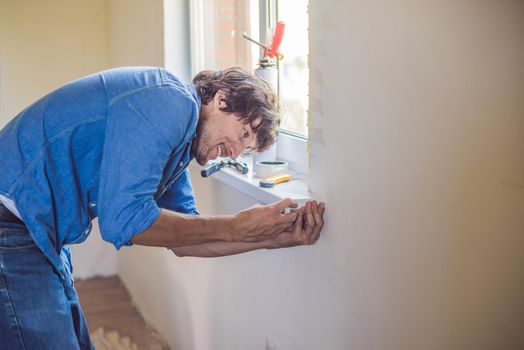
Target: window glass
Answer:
pixel 293 69
pixel 223 23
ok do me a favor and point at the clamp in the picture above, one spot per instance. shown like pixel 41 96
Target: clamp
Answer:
pixel 213 167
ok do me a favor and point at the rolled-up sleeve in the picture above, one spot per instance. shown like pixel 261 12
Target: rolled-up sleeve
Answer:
pixel 179 197
pixel 142 130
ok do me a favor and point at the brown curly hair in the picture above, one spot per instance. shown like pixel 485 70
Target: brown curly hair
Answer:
pixel 247 95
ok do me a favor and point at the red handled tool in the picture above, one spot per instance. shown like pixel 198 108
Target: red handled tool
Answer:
pixel 272 50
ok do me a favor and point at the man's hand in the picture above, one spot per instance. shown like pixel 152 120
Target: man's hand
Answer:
pixel 306 228
pixel 262 222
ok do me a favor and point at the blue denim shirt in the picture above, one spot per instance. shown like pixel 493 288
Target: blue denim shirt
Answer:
pixel 114 145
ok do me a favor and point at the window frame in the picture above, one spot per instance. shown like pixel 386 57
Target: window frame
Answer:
pixel 290 147
pixel 196 35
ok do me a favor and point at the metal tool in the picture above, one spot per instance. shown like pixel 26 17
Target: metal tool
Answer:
pixel 212 168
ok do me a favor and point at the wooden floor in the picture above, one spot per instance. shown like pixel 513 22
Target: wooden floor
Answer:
pixel 107 303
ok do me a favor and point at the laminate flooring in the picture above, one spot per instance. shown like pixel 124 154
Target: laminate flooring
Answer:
pixel 107 304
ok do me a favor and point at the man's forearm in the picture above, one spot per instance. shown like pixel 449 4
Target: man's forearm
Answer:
pixel 216 249
pixel 173 229
pixel 255 224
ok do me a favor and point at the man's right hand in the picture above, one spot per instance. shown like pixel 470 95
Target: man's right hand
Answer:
pixel 262 222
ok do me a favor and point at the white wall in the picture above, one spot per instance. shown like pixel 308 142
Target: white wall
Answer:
pixel 421 106
pixel 46 44
pixel 135 33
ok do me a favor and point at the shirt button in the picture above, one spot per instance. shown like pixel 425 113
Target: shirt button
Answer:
pixel 92 204
pixel 181 164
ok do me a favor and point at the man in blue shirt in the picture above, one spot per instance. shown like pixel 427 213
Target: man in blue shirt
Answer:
pixel 115 145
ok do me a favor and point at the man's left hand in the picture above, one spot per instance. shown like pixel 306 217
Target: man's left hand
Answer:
pixel 306 228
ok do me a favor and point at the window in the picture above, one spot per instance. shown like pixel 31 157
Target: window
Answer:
pixel 216 34
pixel 217 42
pixel 293 69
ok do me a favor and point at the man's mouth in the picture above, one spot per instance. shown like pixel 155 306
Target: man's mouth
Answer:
pixel 221 150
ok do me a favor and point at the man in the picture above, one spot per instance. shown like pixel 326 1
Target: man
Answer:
pixel 115 145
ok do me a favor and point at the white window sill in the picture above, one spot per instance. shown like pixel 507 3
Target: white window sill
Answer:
pixel 296 188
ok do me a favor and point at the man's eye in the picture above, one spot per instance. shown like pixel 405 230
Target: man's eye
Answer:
pixel 245 134
pixel 247 152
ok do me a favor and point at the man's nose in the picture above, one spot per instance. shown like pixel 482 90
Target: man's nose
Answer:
pixel 236 150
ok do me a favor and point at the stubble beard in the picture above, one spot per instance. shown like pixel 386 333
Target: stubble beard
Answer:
pixel 200 145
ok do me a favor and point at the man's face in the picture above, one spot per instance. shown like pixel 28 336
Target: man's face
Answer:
pixel 221 134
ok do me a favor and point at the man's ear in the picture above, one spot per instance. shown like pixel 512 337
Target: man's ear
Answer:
pixel 219 99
